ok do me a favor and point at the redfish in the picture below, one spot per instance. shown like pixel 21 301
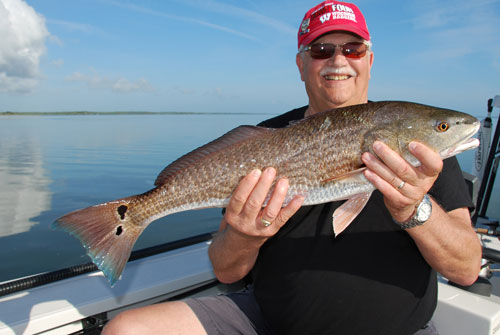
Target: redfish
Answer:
pixel 320 155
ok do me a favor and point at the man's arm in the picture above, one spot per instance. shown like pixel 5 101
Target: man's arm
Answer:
pixel 447 240
pixel 449 244
pixel 235 248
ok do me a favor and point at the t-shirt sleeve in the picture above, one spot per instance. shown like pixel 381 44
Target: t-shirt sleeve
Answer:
pixel 450 189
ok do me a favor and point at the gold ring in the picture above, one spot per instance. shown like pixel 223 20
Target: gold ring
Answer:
pixel 401 185
pixel 265 222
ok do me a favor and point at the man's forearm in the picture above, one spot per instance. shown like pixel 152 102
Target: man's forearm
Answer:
pixel 449 244
pixel 233 255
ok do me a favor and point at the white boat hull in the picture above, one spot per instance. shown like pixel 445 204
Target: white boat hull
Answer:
pixel 59 308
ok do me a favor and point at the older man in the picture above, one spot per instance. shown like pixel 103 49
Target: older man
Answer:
pixel 379 276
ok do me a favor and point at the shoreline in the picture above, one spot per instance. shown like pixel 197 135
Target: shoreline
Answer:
pixel 77 113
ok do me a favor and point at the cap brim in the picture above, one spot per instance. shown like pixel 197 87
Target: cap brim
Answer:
pixel 328 29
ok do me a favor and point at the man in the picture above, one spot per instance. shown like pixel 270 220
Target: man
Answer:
pixel 379 276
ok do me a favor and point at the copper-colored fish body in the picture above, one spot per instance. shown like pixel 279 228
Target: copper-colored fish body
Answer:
pixel 320 155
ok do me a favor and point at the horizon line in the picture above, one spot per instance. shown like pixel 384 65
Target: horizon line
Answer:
pixel 10 113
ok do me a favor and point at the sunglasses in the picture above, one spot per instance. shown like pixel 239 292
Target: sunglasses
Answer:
pixel 354 50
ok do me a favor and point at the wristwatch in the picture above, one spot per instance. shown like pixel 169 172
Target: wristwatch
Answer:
pixel 422 214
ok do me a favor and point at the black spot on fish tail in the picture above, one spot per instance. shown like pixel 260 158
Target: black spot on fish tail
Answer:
pixel 102 231
pixel 122 210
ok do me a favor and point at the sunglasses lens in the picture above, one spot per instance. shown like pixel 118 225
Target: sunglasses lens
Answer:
pixel 349 50
pixel 322 51
pixel 354 50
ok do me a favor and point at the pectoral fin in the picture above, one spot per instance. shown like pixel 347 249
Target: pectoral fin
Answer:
pixel 347 212
pixel 347 175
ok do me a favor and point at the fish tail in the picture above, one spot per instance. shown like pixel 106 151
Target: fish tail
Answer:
pixel 107 231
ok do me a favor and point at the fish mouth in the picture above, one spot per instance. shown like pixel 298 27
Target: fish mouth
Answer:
pixel 468 143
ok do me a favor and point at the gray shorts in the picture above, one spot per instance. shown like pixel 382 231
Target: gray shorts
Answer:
pixel 234 313
pixel 239 313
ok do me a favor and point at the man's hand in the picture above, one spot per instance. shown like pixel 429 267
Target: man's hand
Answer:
pixel 245 213
pixel 388 172
pixel 247 225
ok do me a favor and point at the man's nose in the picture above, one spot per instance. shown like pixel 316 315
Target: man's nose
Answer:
pixel 338 57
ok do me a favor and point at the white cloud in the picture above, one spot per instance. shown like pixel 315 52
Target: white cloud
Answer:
pixel 58 62
pixel 17 84
pixel 124 85
pixel 219 93
pixel 177 90
pixel 118 85
pixel 23 34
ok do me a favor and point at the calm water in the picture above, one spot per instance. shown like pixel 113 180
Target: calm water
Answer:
pixel 50 165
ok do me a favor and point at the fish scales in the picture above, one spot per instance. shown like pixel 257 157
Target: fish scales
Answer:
pixel 320 155
pixel 307 154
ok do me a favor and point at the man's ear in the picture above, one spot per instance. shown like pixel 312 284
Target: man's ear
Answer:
pixel 300 64
pixel 371 64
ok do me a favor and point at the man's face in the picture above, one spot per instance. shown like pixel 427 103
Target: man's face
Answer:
pixel 337 81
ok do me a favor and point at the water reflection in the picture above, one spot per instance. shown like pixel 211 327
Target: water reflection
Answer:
pixel 23 184
pixel 51 165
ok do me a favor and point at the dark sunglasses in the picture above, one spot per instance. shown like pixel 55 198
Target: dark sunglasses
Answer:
pixel 353 50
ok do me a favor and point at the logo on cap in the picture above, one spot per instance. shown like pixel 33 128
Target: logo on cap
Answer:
pixel 304 27
pixel 339 12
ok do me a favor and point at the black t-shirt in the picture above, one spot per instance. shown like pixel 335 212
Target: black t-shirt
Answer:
pixel 371 279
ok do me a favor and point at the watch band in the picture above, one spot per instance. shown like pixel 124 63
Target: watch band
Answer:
pixel 409 224
pixel 422 214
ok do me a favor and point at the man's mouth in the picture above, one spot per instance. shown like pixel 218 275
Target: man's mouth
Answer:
pixel 337 73
pixel 336 77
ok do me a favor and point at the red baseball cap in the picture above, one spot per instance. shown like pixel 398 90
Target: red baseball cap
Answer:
pixel 332 16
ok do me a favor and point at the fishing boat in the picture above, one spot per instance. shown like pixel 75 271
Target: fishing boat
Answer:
pixel 79 300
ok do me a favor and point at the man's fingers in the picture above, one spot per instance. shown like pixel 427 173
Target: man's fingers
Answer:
pixel 432 164
pixel 286 212
pixel 393 168
pixel 245 211
pixel 271 211
pixel 242 192
pixel 259 193
pixel 383 177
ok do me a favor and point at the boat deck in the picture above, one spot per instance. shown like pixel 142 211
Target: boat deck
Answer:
pixel 86 302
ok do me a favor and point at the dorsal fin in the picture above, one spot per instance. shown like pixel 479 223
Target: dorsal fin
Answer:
pixel 232 137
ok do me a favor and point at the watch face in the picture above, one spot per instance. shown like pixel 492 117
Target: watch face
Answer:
pixel 424 210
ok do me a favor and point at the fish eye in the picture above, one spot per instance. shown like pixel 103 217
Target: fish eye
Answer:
pixel 442 126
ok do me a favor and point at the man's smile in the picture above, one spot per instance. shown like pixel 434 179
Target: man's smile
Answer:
pixel 336 77
pixel 337 73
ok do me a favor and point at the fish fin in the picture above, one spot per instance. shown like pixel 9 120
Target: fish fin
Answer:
pixel 237 135
pixel 108 233
pixel 347 212
pixel 308 117
pixel 345 175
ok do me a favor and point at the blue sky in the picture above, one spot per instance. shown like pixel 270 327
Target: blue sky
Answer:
pixel 233 56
